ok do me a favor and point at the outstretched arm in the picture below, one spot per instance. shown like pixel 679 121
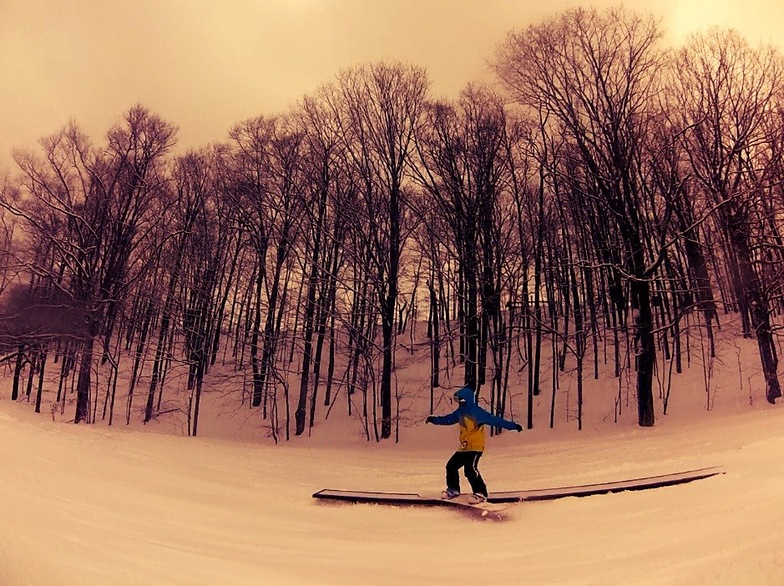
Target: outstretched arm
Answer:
pixel 495 421
pixel 450 419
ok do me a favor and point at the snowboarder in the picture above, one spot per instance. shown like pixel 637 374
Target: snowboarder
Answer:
pixel 472 419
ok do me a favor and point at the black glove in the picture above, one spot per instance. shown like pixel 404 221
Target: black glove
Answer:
pixel 518 428
pixel 430 419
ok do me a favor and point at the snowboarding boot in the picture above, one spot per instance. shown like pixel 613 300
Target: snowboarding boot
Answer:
pixel 450 493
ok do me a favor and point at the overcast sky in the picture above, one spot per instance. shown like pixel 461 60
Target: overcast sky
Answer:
pixel 207 64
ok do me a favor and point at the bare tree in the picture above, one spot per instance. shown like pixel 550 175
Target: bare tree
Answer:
pixel 208 252
pixel 94 206
pixel 319 116
pixel 594 71
pixel 183 211
pixel 251 177
pixel 380 106
pixel 725 91
pixel 286 205
pixel 463 169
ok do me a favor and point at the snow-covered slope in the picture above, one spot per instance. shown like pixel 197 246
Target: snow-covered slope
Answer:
pixel 95 506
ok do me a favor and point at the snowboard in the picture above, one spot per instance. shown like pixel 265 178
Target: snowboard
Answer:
pixel 482 508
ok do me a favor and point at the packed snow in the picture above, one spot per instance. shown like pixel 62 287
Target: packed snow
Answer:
pixel 93 505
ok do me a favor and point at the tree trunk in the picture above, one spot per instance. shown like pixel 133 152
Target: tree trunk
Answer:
pixel 18 366
pixel 84 382
pixel 255 332
pixel 646 352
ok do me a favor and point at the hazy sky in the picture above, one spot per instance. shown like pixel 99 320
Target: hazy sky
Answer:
pixel 207 64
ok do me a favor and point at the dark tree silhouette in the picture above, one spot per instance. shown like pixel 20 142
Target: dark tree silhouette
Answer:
pixel 95 206
pixel 725 91
pixel 595 72
pixel 380 109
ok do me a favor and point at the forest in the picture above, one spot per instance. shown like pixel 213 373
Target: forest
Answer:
pixel 606 197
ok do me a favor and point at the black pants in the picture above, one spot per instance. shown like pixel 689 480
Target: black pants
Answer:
pixel 469 461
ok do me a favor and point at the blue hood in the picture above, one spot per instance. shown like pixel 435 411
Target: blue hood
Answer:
pixel 466 394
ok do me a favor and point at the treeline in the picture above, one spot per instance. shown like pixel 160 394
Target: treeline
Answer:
pixel 607 193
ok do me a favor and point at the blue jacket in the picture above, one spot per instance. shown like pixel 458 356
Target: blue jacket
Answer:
pixel 472 419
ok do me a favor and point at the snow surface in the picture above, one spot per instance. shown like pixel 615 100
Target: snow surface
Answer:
pixel 91 505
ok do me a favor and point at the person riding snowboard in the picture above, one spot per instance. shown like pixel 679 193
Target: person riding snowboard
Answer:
pixel 472 419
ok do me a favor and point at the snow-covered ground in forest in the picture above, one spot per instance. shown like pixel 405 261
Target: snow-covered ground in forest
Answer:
pixel 90 505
